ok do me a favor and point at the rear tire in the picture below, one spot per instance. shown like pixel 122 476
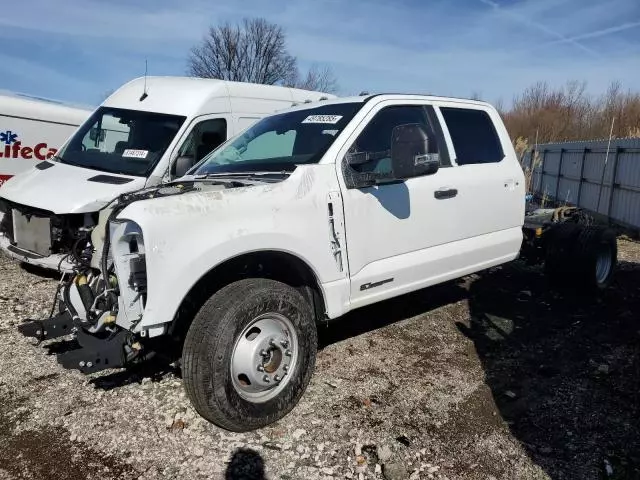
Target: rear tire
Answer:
pixel 221 350
pixel 581 256
pixel 597 256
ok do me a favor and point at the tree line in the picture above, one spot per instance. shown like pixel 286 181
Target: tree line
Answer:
pixel 542 114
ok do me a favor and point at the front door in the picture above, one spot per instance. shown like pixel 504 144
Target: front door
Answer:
pixel 393 229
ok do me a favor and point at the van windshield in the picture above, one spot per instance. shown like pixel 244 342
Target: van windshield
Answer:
pixel 281 141
pixel 115 140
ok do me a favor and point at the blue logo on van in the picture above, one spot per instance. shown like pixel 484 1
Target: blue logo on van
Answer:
pixel 8 137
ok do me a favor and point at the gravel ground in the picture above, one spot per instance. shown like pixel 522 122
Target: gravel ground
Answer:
pixel 494 376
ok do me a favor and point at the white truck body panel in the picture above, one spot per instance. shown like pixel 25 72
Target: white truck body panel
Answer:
pixel 282 217
pixel 398 235
pixel 32 130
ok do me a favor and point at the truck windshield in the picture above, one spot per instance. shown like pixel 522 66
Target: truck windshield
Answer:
pixel 280 142
pixel 129 142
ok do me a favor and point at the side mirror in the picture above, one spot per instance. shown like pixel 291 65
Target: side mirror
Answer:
pixel 182 165
pixel 410 155
pixel 359 158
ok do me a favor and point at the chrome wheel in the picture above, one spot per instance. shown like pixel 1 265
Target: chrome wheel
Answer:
pixel 264 357
pixel 604 264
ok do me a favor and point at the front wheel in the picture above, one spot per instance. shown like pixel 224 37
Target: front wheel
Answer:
pixel 249 354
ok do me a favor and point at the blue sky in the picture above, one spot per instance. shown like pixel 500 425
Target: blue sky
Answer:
pixel 76 50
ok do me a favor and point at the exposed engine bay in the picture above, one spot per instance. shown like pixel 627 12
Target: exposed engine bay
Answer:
pixel 36 233
pixel 103 298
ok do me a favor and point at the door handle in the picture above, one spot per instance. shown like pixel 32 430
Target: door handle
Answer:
pixel 445 193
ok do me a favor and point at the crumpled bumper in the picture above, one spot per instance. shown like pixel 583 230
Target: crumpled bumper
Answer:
pixel 50 262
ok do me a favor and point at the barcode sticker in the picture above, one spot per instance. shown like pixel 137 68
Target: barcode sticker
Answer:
pixel 135 153
pixel 332 119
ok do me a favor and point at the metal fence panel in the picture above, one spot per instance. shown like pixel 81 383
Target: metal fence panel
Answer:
pixel 594 175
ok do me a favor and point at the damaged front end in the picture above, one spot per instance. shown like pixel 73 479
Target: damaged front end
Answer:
pixel 102 301
pixel 42 238
pixel 97 311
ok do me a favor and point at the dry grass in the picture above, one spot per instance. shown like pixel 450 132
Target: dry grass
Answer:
pixel 570 113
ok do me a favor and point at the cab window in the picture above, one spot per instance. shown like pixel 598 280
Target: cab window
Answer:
pixel 474 136
pixel 375 139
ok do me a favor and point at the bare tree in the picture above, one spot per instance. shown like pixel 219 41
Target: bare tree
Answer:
pixel 253 51
pixel 317 78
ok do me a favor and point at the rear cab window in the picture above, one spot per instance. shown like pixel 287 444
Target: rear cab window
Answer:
pixel 473 134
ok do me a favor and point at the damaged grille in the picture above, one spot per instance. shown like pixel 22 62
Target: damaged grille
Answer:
pixel 63 231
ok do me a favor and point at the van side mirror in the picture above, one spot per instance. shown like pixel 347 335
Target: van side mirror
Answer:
pixel 410 155
pixel 182 165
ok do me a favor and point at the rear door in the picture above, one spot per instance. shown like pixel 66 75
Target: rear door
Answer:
pixel 490 185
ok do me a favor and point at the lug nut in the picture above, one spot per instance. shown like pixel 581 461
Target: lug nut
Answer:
pixel 272 342
pixel 288 353
pixel 260 368
pixel 277 378
pixel 82 364
pixel 263 353
pixel 284 343
pixel 266 379
pixel 89 364
pixel 38 332
pixel 286 368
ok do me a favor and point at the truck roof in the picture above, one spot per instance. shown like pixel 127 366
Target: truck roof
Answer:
pixel 191 96
pixel 396 96
pixel 39 108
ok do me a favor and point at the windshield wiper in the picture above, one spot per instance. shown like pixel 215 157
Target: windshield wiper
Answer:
pixel 241 174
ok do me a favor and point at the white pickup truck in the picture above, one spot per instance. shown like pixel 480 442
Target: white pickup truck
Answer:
pixel 310 213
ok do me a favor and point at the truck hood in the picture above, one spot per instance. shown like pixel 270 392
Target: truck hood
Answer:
pixel 61 188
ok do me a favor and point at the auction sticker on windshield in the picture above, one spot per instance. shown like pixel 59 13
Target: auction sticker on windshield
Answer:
pixel 135 153
pixel 332 119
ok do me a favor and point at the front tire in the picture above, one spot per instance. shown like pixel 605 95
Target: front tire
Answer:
pixel 249 354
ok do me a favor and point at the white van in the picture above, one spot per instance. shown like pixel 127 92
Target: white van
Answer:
pixel 32 129
pixel 150 131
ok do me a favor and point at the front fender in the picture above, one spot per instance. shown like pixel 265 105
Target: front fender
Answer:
pixel 169 281
pixel 188 235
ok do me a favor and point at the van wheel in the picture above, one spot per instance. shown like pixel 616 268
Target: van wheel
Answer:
pixel 249 354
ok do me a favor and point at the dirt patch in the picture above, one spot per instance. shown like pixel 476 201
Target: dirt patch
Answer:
pixel 45 453
pixel 494 376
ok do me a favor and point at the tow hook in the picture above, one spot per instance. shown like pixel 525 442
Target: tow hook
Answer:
pixel 96 354
pixel 93 353
pixel 54 327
